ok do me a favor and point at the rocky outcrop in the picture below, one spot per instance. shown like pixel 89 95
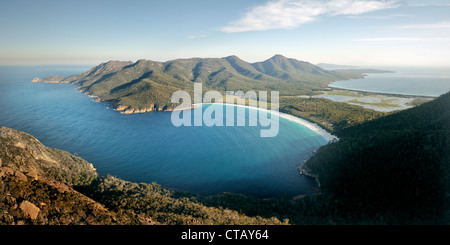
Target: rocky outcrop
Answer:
pixel 121 107
pixel 37 184
pixel 29 209
pixel 60 191
pixel 5 171
pixel 130 110
pixel 32 174
pixel 50 79
pixel 23 153
pixel 303 169
pixel 20 176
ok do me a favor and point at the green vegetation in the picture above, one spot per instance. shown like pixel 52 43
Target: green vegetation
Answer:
pixel 64 189
pixel 383 103
pixel 394 169
pixel 56 207
pixel 164 206
pixel 389 170
pixel 331 115
pixel 346 93
pixel 419 101
pixel 375 101
pixel 147 85
pixel 52 79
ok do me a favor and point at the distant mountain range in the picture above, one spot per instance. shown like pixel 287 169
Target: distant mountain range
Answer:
pixel 148 85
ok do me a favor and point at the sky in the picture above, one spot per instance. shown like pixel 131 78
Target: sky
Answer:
pixel 346 32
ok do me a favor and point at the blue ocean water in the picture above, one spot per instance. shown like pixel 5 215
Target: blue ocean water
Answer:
pixel 148 148
pixel 407 81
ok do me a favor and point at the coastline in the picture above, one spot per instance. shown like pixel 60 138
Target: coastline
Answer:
pixel 310 125
pixel 382 93
pixel 302 169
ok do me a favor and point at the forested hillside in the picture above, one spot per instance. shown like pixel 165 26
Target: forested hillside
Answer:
pixel 148 85
pixel 45 186
pixel 392 168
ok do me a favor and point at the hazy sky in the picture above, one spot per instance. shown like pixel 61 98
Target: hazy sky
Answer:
pixel 353 32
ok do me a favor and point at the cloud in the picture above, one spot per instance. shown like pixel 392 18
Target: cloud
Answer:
pixel 287 14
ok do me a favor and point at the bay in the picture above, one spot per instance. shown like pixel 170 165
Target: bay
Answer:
pixel 148 148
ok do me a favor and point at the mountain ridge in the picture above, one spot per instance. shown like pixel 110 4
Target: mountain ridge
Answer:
pixel 395 167
pixel 147 85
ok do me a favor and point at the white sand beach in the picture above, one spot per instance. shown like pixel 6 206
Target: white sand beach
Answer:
pixel 312 126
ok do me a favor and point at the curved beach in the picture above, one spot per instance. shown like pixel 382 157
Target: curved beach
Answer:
pixel 312 126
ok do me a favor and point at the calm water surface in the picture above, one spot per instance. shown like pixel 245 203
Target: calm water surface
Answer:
pixel 408 81
pixel 148 148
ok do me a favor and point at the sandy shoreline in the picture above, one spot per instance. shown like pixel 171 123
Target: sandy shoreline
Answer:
pixel 310 125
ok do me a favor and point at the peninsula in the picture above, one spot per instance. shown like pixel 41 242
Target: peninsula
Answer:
pixel 147 85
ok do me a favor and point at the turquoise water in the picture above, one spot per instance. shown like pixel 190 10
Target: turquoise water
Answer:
pixel 407 81
pixel 148 148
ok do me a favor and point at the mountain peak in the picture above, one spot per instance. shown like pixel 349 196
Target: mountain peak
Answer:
pixel 232 57
pixel 278 58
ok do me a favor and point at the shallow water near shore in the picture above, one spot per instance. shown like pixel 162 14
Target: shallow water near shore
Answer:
pixel 148 148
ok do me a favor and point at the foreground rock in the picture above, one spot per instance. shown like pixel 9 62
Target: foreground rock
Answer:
pixel 29 209
pixel 37 184
pixel 44 186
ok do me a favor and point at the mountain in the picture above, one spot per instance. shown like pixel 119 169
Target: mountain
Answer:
pixel 148 85
pixel 293 70
pixel 45 186
pixel 395 169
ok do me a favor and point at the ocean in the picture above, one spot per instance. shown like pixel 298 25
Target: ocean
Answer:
pixel 430 82
pixel 148 148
